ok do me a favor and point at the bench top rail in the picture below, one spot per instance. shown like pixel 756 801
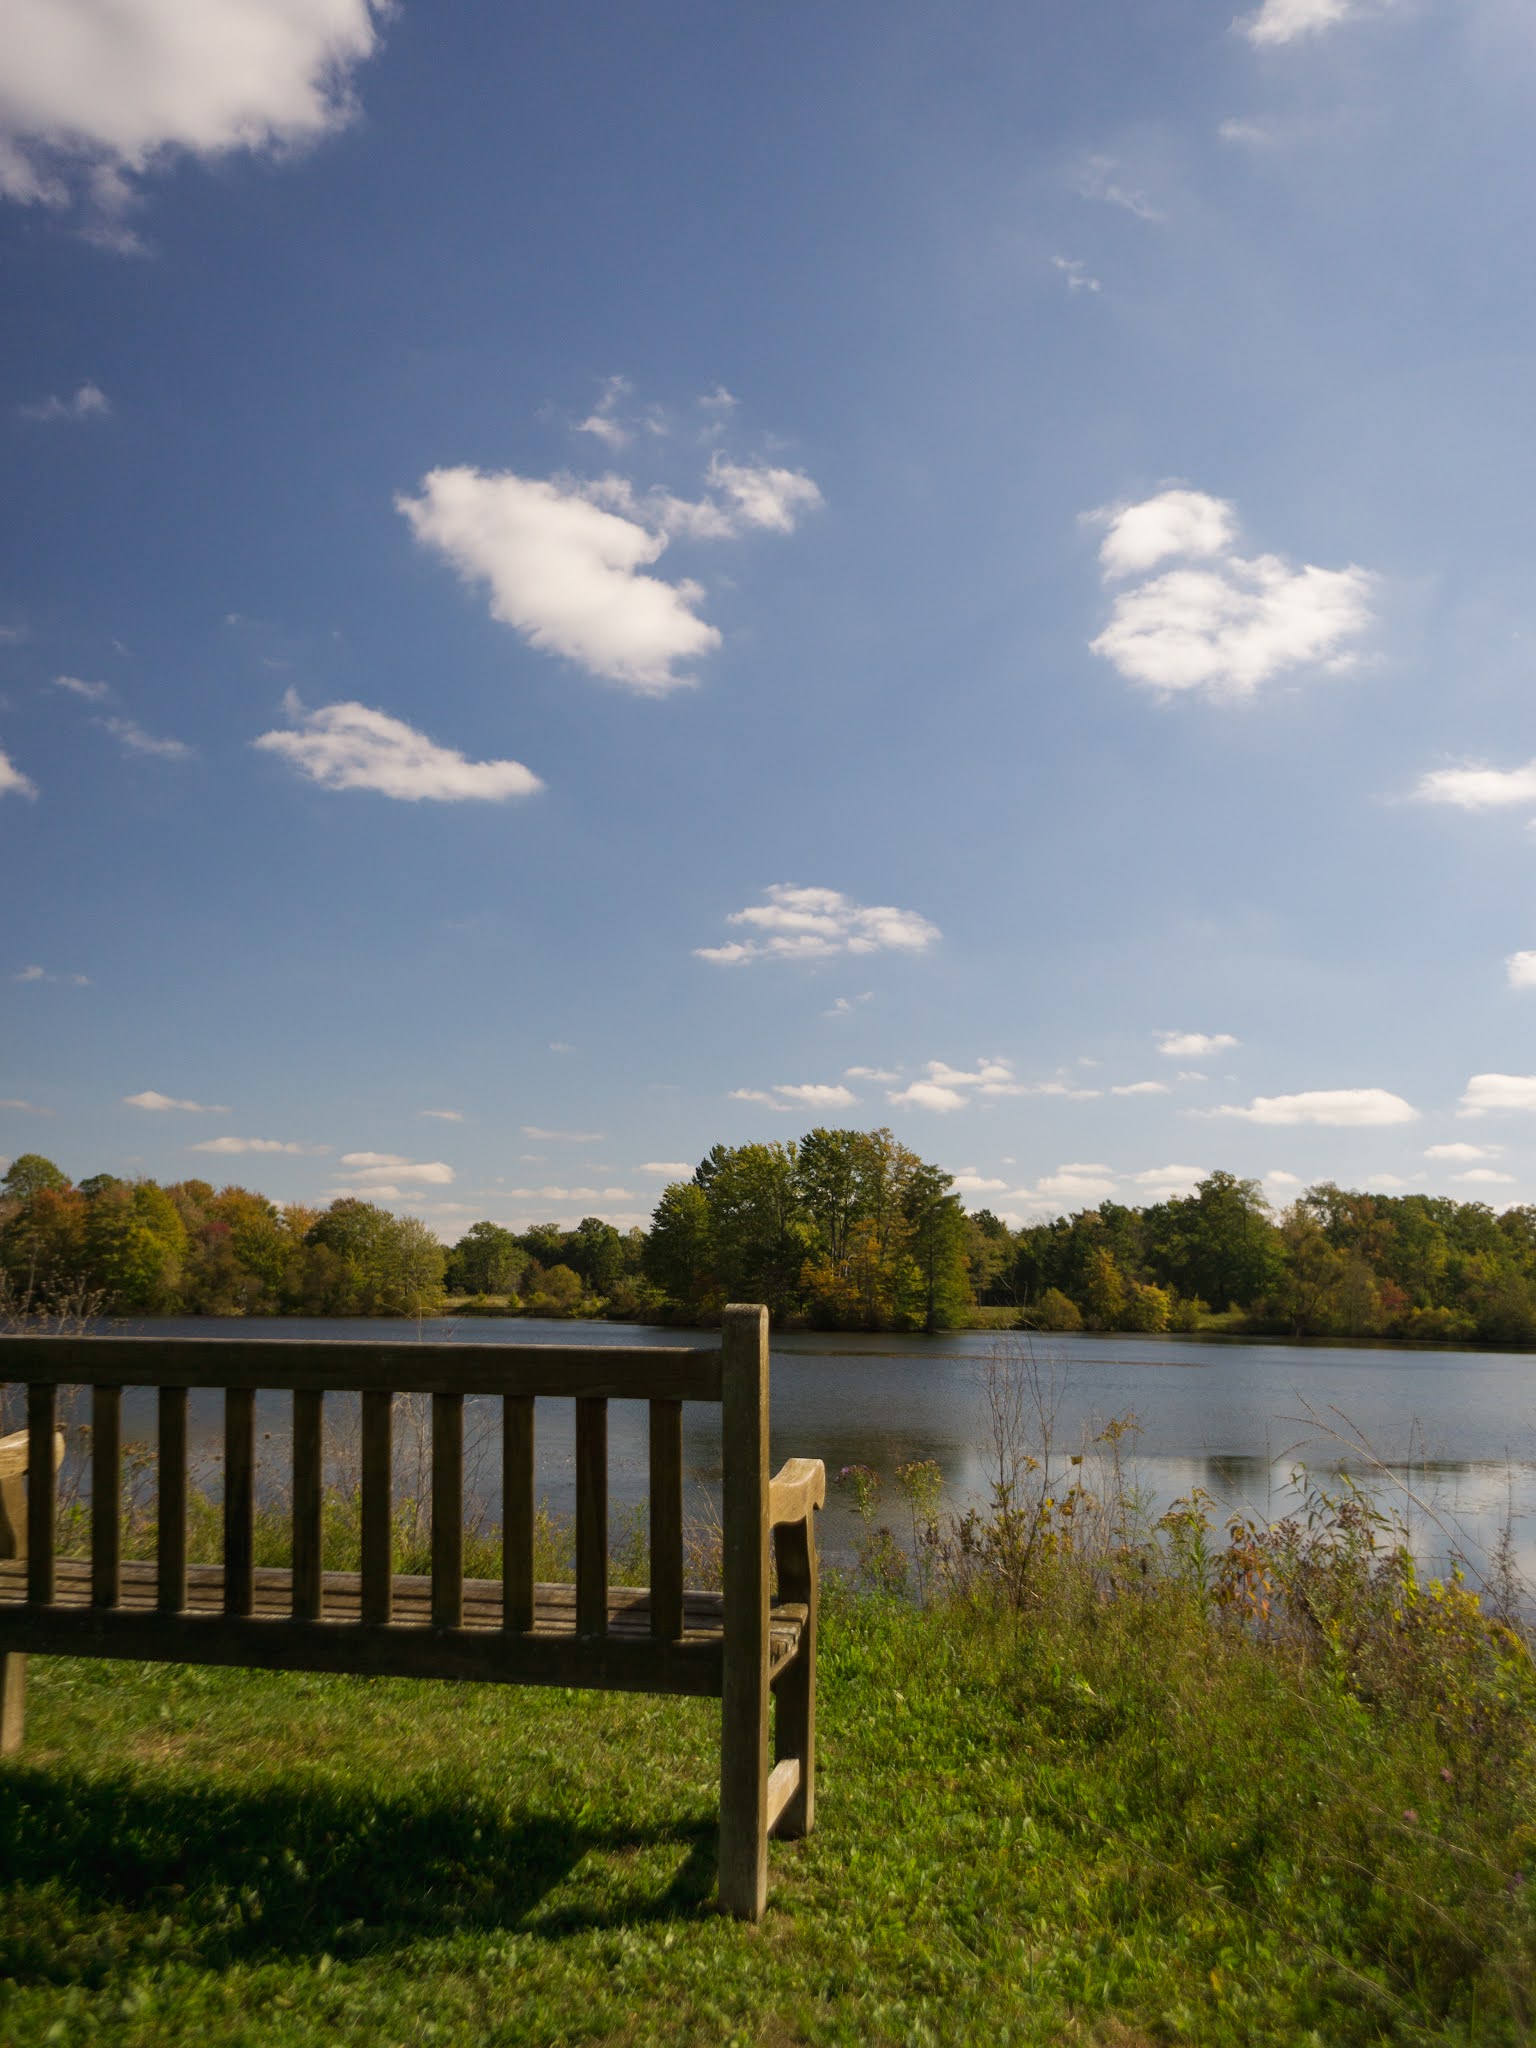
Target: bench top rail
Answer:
pixel 605 1372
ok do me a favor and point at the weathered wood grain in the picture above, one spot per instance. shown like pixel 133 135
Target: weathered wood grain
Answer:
pixel 666 1461
pixel 239 1498
pixel 106 1492
pixel 40 1492
pixel 744 1701
pixel 171 1499
pixel 517 1511
pixel 378 1480
pixel 799 1485
pixel 308 1473
pixel 591 1517
pixel 591 1372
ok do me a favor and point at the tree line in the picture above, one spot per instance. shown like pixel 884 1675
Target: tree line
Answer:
pixel 840 1229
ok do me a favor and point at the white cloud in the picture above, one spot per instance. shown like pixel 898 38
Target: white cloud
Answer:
pixel 151 1098
pixel 36 973
pixel 1462 1151
pixel 92 692
pixel 1283 21
pixel 969 1182
pixel 368 1172
pixel 25 1108
pixel 1082 1184
pixel 1253 132
pixel 1165 1183
pixel 96 91
pixel 759 1095
pixel 563 1137
pixel 816 1094
pixel 1098 180
pixel 135 740
pixel 564 573
pixel 872 1073
pixel 88 402
pixel 1483 1176
pixel 1141 1088
pixel 929 1095
pixel 1278 1177
pixel 668 1169
pixel 1521 969
pixel 719 401
pixel 1479 789
pixel 12 780
pixel 1339 1107
pixel 1229 624
pixel 228 1147
pixel 568 1194
pixel 349 746
pixel 1194 1045
pixel 818 924
pixel 763 496
pixel 845 1006
pixel 1486 1092
pixel 1075 272
pixel 561 1045
pixel 946 1087
pixel 602 420
pixel 447 1116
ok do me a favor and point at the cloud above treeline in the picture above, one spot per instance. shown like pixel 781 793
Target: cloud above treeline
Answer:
pixel 1219 622
pixel 1341 1108
pixel 151 1098
pixel 565 561
pixel 818 924
pixel 95 93
pixel 350 746
pixel 1488 1092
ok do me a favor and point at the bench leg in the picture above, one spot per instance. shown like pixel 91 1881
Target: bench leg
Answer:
pixel 795 1731
pixel 13 1702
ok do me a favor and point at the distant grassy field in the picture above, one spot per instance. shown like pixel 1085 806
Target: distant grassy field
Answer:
pixel 1111 1815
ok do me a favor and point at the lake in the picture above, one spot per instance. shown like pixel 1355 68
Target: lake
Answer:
pixel 1459 1428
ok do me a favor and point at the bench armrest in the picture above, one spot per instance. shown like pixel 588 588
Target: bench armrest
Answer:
pixel 796 1488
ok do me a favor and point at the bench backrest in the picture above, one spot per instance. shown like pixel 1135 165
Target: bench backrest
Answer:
pixel 735 1374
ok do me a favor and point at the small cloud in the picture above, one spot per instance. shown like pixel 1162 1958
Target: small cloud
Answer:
pixel 1521 969
pixel 88 403
pixel 562 1137
pixel 561 1045
pixel 1254 133
pixel 12 781
pixel 1475 788
pixel 135 740
pixel 818 924
pixel 1141 1088
pixel 816 1094
pixel 231 1147
pixel 1285 21
pixel 350 746
pixel 872 1073
pixel 603 422
pixel 969 1182
pixel 1168 1183
pixel 447 1116
pixel 1462 1152
pixel 1099 180
pixel 1278 1177
pixel 33 973
pixel 1484 1176
pixel 667 1169
pixel 718 401
pixel 369 1172
pixel 151 1098
pixel 1189 1074
pixel 1337 1107
pixel 24 1108
pixel 759 1095
pixel 1220 622
pixel 92 692
pixel 1485 1092
pixel 844 1006
pixel 1194 1045
pixel 929 1095
pixel 760 495
pixel 1083 1184
pixel 1076 275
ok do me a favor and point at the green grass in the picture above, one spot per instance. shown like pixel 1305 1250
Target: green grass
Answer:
pixel 1115 1821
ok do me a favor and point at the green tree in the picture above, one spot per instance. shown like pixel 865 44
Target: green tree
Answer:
pixel 29 1175
pixel 391 1265
pixel 486 1260
pixel 135 1243
pixel 595 1253
pixel 679 1250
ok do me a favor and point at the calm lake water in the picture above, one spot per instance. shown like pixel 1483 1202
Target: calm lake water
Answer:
pixel 1459 1428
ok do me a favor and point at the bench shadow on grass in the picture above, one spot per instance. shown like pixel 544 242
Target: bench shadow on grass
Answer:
pixel 107 1861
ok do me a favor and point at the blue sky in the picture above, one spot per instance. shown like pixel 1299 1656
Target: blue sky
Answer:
pixel 581 581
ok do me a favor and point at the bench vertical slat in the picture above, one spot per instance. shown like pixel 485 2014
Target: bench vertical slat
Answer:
pixel 591 1517
pixel 40 1494
pixel 239 1500
pixel 667 1520
pixel 171 1504
pixel 378 1505
pixel 517 1511
pixel 744 1702
pixel 106 1495
pixel 447 1510
pixel 308 1460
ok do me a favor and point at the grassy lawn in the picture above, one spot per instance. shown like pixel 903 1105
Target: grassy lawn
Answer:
pixel 1112 1823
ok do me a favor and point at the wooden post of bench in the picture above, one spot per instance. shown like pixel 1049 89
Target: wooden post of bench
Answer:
pixel 15 1513
pixel 744 1703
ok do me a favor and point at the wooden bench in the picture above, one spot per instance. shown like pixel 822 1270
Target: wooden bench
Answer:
pixel 666 1638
